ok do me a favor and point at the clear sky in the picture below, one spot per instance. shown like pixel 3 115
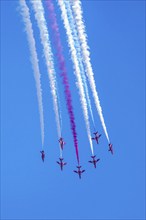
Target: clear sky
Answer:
pixel 116 189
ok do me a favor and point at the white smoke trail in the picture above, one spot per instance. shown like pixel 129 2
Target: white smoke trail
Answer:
pixel 44 35
pixel 79 56
pixel 34 60
pixel 76 68
pixel 88 100
pixel 77 10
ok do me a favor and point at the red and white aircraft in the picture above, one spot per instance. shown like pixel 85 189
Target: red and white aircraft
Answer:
pixel 79 171
pixel 61 163
pixel 62 143
pixel 111 148
pixel 94 161
pixel 43 155
pixel 97 136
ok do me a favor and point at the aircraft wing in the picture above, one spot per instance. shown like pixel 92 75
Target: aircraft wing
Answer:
pixel 75 171
pixel 83 171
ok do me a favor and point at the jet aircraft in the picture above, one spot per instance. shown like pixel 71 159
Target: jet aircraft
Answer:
pixel 97 136
pixel 111 148
pixel 94 161
pixel 42 155
pixel 62 143
pixel 61 163
pixel 79 171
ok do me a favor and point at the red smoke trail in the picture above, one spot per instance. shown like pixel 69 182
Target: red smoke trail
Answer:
pixel 61 61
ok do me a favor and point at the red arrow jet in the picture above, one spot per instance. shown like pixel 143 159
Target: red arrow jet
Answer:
pixel 79 171
pixel 62 143
pixel 97 136
pixel 61 163
pixel 94 161
pixel 111 148
pixel 43 155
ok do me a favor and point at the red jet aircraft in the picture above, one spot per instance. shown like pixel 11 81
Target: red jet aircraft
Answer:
pixel 62 143
pixel 43 155
pixel 111 148
pixel 79 171
pixel 97 136
pixel 61 163
pixel 94 161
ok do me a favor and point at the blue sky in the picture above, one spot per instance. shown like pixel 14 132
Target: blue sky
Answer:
pixel 116 189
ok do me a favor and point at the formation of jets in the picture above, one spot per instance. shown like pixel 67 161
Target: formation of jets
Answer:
pixel 94 161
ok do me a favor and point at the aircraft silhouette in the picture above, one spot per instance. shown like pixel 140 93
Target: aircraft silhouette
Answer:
pixel 97 136
pixel 94 161
pixel 42 155
pixel 111 148
pixel 61 163
pixel 62 143
pixel 79 171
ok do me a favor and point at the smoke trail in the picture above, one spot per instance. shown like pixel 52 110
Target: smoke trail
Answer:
pixel 62 66
pixel 44 35
pixel 76 68
pixel 76 6
pixel 34 60
pixel 79 56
